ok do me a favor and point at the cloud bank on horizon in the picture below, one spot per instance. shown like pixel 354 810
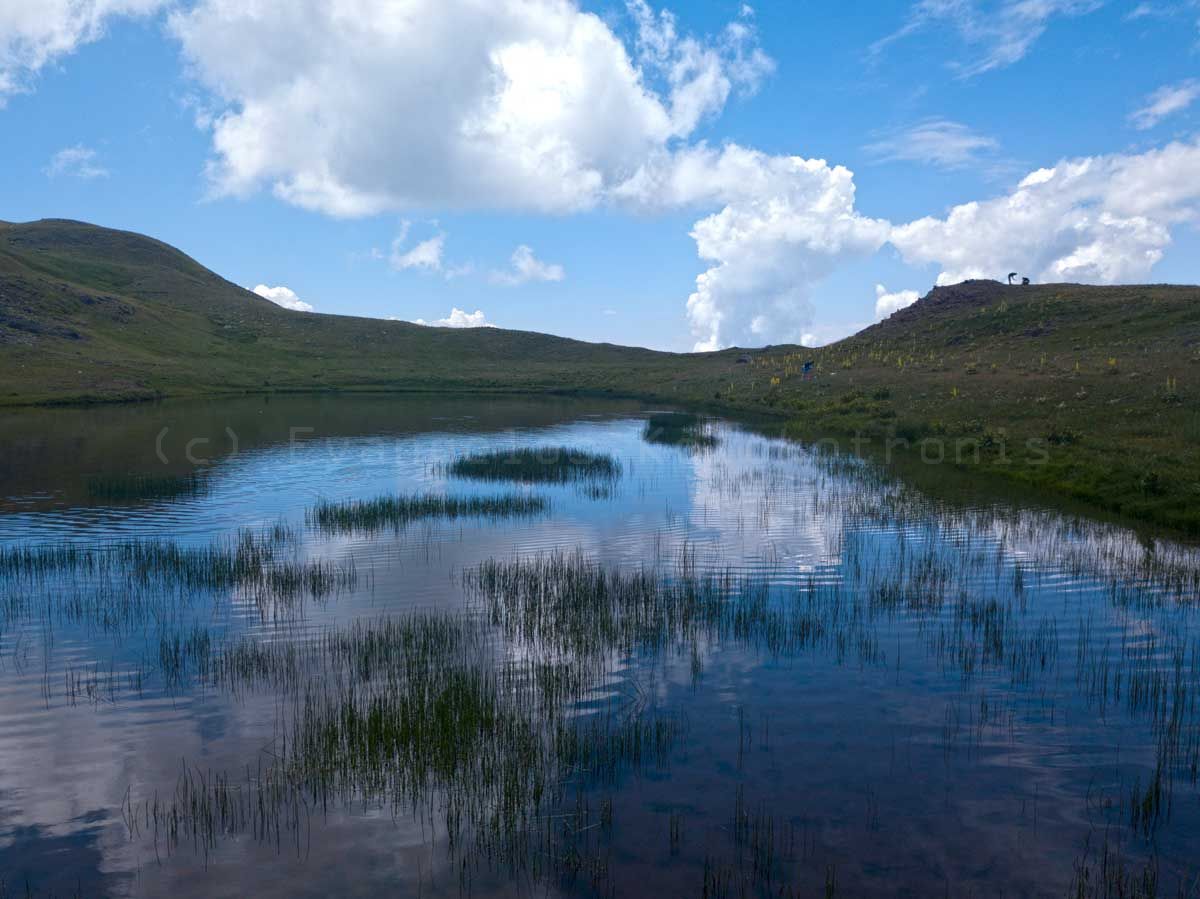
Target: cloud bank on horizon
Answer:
pixel 283 296
pixel 458 318
pixel 539 107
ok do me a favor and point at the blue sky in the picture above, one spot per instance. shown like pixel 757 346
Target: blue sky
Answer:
pixel 561 167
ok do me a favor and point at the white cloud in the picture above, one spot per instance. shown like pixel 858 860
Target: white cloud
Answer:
pixel 515 104
pixel 943 143
pixel 36 34
pixel 535 105
pixel 823 335
pixel 997 36
pixel 1167 100
pixel 1147 10
pixel 887 303
pixel 76 162
pixel 1100 219
pixel 283 296
pixel 698 76
pixel 425 255
pixel 458 319
pixel 786 223
pixel 525 268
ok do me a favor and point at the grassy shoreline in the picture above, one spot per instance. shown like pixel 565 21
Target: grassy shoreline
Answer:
pixel 1086 393
pixel 1091 479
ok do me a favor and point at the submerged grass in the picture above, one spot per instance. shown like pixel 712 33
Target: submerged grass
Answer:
pixel 477 719
pixel 417 715
pixel 123 583
pixel 473 722
pixel 395 512
pixel 565 606
pixel 138 487
pixel 533 465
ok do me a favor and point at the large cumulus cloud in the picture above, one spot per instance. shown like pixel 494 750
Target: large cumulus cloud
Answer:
pixel 353 107
pixel 1097 219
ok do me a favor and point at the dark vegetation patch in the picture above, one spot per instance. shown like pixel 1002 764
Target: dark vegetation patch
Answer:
pixel 262 564
pixel 538 465
pixel 140 486
pixel 682 429
pixel 395 512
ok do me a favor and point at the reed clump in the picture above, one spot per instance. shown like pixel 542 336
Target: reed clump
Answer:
pixel 121 580
pixel 537 465
pixel 395 512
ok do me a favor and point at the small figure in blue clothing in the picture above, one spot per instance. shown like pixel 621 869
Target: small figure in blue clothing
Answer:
pixel 808 369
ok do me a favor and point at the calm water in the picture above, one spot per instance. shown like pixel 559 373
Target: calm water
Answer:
pixel 986 701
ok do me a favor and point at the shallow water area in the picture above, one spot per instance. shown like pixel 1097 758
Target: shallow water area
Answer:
pixel 717 664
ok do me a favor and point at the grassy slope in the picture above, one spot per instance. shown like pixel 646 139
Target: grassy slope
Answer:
pixel 1088 391
pixel 89 313
pixel 1101 380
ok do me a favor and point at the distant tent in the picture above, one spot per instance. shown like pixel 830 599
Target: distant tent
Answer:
pixel 743 360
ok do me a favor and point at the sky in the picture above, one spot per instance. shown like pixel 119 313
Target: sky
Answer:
pixel 685 177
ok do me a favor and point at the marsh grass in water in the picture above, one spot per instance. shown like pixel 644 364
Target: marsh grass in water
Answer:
pixel 122 584
pixel 418 715
pixel 127 488
pixel 477 716
pixel 507 723
pixel 537 465
pixel 393 513
pixel 224 562
pixel 474 720
pixel 566 606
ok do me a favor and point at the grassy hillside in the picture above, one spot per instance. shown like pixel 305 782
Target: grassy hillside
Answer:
pixel 89 313
pixel 1088 392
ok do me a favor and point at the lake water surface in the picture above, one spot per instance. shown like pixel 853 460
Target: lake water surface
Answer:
pixel 737 666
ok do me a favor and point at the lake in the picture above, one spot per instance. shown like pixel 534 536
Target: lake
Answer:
pixel 427 646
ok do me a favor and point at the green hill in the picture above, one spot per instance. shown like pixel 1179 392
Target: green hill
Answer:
pixel 1087 392
pixel 88 313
